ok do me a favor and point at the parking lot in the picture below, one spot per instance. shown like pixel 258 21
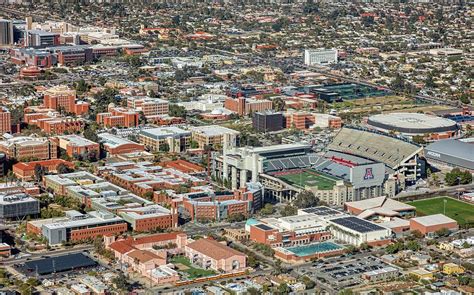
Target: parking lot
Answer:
pixel 343 274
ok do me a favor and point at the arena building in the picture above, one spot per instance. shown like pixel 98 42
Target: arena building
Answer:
pixel 451 153
pixel 415 124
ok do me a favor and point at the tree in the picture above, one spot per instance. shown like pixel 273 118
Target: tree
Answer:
pixel 464 98
pixel 398 83
pixel 152 93
pixel 419 139
pixel 238 217
pixel 416 234
pixel 92 156
pixel 267 209
pixel 177 111
pixel 62 169
pixel 40 171
pixel 288 210
pixel 252 291
pixel 429 82
pixel 310 284
pixel 81 86
pixel 90 133
pixel 194 144
pixel 148 195
pixel 305 199
pixel 164 147
pixel 121 282
pixel 413 246
pixel 464 280
pixel 142 120
pixel 284 289
pixel 252 261
pixel 265 249
pixel 394 248
pixel 442 232
pixel 456 176
pixel 364 246
pixel 134 61
pixel 278 104
pixel 16 115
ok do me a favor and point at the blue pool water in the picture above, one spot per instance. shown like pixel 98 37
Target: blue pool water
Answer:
pixel 314 248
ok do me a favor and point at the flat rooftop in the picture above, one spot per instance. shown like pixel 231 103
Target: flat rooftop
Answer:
pixel 113 141
pixel 357 224
pixel 214 130
pixel 77 140
pixel 433 219
pixel 164 132
pixel 58 264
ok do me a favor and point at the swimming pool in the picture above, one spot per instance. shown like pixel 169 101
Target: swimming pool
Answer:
pixel 311 249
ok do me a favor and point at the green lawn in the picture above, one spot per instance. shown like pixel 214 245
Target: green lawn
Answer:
pixel 310 178
pixel 462 212
pixel 192 271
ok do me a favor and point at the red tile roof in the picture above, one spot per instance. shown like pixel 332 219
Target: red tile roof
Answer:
pixel 156 238
pixel 121 246
pixel 129 244
pixel 213 249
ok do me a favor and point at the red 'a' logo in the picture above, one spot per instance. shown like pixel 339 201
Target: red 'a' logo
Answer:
pixel 368 174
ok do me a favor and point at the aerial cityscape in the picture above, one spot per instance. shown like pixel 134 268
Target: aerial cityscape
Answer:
pixel 236 147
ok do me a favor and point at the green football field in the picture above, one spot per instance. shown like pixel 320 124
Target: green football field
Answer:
pixel 310 178
pixel 462 212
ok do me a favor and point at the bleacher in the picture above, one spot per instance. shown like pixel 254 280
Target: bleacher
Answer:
pixel 374 146
pixel 293 162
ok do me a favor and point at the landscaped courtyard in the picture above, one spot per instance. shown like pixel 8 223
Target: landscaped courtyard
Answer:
pixel 184 265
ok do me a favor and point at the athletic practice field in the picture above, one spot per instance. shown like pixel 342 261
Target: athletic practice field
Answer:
pixel 307 177
pixel 462 212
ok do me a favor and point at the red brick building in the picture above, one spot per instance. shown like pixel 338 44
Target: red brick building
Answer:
pixel 115 145
pixel 184 166
pixel 77 227
pixel 5 121
pixel 77 145
pixel 150 218
pixel 221 205
pixel 244 106
pixel 118 117
pixel 26 171
pixel 23 147
pixel 63 98
pixel 5 250
pixel 265 234
pixel 432 223
pixel 304 120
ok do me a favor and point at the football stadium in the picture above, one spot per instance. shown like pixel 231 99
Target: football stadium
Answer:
pixel 400 157
pixel 411 124
pixel 286 170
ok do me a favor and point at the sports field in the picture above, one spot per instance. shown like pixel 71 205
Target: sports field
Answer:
pixel 309 178
pixel 462 212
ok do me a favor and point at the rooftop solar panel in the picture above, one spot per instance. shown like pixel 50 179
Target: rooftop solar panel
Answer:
pixel 357 224
pixel 321 211
pixel 263 227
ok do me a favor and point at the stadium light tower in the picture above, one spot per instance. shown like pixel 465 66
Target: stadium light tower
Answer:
pixel 444 206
